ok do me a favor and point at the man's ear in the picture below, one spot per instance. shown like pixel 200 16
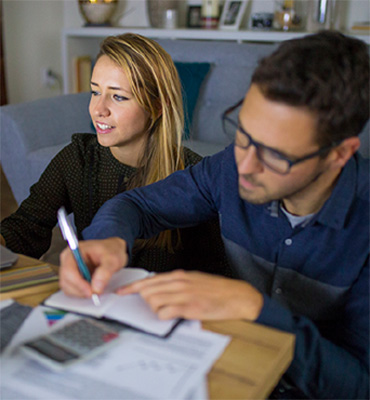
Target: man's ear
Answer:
pixel 344 151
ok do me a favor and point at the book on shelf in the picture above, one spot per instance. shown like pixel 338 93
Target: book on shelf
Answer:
pixel 27 280
pixel 361 26
pixel 82 74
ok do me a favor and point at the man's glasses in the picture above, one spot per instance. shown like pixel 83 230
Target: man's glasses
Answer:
pixel 271 158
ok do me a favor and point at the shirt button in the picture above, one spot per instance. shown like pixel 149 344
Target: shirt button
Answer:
pixel 288 242
pixel 278 291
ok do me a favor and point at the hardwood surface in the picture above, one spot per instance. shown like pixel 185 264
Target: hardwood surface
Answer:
pixel 251 365
pixel 29 294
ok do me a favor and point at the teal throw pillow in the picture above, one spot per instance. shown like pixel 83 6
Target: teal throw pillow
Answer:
pixel 191 76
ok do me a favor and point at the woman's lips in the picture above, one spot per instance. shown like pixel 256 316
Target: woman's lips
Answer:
pixel 103 128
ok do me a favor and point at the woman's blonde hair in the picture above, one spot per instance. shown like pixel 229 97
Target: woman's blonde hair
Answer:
pixel 156 86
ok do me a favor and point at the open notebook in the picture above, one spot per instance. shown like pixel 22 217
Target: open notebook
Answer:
pixel 131 309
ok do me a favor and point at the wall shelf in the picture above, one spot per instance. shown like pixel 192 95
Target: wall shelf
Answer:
pixel 199 34
pixel 85 41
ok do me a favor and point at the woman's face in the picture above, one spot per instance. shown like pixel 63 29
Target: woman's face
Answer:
pixel 119 120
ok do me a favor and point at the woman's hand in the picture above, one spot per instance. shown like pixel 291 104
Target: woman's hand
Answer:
pixel 103 258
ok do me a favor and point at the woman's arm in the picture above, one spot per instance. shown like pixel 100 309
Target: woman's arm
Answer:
pixel 29 230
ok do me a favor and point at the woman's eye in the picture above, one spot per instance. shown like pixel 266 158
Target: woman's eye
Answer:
pixel 94 93
pixel 119 98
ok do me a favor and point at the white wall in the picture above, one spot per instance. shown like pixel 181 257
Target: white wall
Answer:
pixel 31 41
pixel 32 36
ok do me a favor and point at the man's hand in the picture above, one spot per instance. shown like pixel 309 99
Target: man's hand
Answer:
pixel 196 295
pixel 103 257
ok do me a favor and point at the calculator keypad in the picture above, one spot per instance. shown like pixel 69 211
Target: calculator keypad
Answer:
pixel 73 341
pixel 84 335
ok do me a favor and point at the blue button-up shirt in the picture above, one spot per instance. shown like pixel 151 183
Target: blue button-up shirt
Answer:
pixel 314 278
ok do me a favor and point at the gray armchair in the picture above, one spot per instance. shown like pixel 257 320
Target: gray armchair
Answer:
pixel 33 133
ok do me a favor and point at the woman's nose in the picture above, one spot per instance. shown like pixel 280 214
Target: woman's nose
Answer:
pixel 101 107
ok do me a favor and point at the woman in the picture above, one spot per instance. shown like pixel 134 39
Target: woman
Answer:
pixel 136 108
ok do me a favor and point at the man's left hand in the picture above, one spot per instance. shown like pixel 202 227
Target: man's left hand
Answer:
pixel 196 295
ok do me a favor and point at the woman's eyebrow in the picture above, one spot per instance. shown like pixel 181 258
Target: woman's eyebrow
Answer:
pixel 117 88
pixel 112 87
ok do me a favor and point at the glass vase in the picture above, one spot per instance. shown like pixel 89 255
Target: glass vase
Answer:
pixel 289 15
pixel 163 13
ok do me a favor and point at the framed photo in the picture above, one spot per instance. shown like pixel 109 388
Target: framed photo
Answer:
pixel 232 14
pixel 194 17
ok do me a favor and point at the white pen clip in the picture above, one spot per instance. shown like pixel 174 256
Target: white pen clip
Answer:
pixel 66 229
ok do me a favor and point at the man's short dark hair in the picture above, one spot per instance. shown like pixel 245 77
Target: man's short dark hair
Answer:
pixel 327 73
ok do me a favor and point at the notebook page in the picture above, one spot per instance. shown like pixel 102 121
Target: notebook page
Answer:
pixel 134 311
pixel 86 306
pixel 130 309
pixel 80 305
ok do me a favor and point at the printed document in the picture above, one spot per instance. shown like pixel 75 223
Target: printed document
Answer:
pixel 141 366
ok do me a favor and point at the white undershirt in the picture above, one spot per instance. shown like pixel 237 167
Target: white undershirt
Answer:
pixel 296 220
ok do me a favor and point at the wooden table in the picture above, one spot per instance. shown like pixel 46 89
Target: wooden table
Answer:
pixel 251 365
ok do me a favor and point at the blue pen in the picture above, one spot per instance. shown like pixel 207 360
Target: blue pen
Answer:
pixel 70 236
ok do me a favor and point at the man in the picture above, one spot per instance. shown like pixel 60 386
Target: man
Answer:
pixel 292 196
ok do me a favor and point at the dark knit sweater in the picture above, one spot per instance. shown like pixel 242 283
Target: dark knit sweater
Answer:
pixel 81 177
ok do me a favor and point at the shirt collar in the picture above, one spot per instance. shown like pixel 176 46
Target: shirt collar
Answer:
pixel 335 210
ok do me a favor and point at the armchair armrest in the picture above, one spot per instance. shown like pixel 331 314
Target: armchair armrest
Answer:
pixel 32 133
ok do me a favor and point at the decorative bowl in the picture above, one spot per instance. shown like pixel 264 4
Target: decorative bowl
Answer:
pixel 97 12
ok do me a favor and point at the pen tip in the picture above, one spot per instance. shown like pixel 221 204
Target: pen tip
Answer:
pixel 96 300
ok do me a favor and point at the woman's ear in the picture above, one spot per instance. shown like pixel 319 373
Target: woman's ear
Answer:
pixel 159 108
pixel 344 151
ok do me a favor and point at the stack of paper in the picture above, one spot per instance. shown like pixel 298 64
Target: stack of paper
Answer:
pixel 24 281
pixel 141 366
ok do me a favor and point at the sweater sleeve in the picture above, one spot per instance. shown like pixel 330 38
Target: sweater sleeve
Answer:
pixel 322 368
pixel 29 230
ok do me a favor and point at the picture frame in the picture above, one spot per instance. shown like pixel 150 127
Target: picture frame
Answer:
pixel 232 14
pixel 194 17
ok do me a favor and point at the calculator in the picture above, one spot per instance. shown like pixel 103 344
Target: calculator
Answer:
pixel 77 341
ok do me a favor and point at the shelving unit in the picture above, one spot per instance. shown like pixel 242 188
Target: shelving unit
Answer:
pixel 85 41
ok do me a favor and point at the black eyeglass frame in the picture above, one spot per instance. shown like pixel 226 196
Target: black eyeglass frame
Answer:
pixel 258 145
